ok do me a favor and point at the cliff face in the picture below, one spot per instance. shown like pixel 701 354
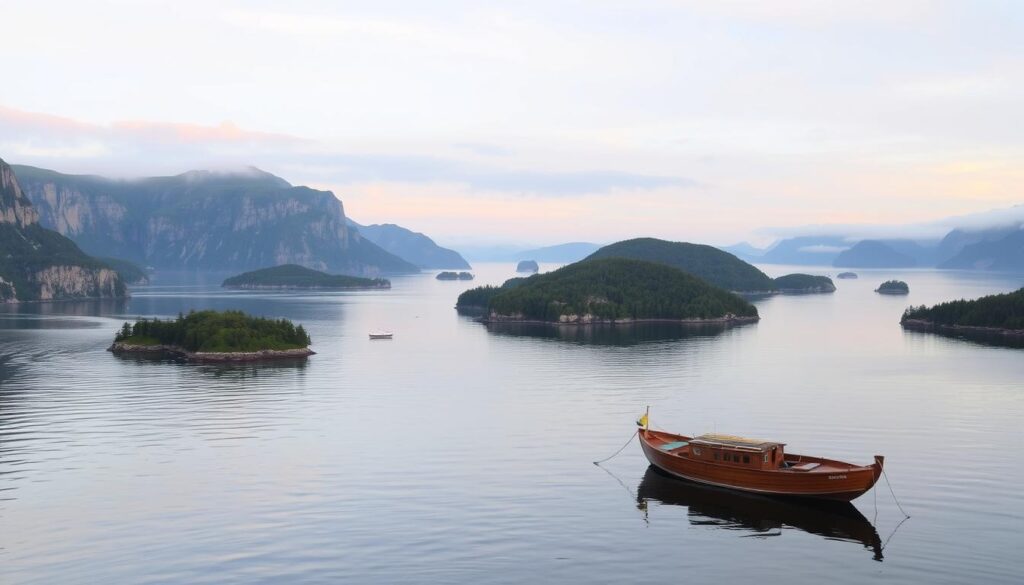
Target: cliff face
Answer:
pixel 206 220
pixel 40 264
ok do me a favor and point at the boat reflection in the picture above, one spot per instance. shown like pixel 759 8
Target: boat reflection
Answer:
pixel 623 334
pixel 759 515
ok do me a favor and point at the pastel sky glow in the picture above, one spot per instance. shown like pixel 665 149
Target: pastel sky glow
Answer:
pixel 541 122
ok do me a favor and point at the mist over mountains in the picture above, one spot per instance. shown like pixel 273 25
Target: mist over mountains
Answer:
pixel 992 240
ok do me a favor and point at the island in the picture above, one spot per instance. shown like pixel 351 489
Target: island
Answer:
pixel 214 336
pixel 527 266
pixel 717 267
pixel 454 276
pixel 615 290
pixel 476 300
pixel 802 284
pixel 293 276
pixel 893 287
pixel 988 317
pixel 846 275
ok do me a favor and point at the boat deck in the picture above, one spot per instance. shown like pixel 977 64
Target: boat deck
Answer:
pixel 793 463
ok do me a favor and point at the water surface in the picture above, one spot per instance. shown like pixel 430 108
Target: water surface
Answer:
pixel 456 454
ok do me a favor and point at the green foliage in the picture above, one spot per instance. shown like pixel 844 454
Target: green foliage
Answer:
pixel 454 276
pixel 720 268
pixel 894 286
pixel 295 276
pixel 480 297
pixel 615 288
pixel 216 331
pixel 1004 311
pixel 804 282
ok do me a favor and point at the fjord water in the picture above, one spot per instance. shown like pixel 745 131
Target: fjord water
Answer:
pixel 456 454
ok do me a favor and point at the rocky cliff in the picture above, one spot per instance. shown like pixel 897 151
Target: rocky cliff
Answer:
pixel 40 264
pixel 206 220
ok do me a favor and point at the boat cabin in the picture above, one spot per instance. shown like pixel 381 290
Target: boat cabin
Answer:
pixel 737 451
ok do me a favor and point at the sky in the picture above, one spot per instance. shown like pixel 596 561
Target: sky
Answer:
pixel 541 122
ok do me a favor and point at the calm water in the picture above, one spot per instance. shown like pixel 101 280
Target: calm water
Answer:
pixel 455 454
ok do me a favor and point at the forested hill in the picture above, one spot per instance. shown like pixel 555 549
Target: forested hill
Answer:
pixel 719 268
pixel 1003 311
pixel 613 289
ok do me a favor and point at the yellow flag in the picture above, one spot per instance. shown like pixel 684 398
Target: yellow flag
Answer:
pixel 642 421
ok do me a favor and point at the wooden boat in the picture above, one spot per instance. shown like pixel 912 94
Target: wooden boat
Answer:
pixel 381 335
pixel 756 466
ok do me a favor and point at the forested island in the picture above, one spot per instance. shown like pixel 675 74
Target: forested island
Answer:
pixel 717 267
pixel 293 276
pixel 1001 314
pixel 447 275
pixel 846 275
pixel 218 336
pixel 611 290
pixel 893 287
pixel 527 266
pixel 804 284
pixel 479 298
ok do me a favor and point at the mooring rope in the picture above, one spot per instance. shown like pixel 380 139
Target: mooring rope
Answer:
pixel 631 437
pixel 894 498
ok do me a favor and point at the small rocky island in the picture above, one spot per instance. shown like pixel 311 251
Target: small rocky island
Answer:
pixel 527 266
pixel 803 284
pixel 214 336
pixel 611 290
pixel 996 316
pixel 893 287
pixel 454 276
pixel 846 275
pixel 295 277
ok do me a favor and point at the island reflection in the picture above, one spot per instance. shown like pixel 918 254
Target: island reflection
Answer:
pixel 620 334
pixel 759 515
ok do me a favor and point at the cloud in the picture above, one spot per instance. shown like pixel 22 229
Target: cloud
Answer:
pixel 142 147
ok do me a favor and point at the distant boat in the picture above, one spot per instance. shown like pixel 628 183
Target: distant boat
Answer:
pixel 756 466
pixel 381 335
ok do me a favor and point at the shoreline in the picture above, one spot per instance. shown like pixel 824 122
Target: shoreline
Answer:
pixel 119 348
pixel 733 320
pixel 932 327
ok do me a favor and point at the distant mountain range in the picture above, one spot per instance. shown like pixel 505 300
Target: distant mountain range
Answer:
pixel 203 220
pixel 411 246
pixel 37 264
pixel 999 246
pixel 563 253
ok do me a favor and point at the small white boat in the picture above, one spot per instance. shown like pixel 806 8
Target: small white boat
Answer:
pixel 381 335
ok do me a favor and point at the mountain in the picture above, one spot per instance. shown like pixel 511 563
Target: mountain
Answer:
pixel 203 220
pixel 744 251
pixel 616 289
pixel 806 250
pixel 719 268
pixel 1004 253
pixel 571 252
pixel 37 264
pixel 411 246
pixel 873 254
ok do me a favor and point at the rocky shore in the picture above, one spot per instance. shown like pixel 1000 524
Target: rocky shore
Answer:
pixel 929 326
pixel 119 348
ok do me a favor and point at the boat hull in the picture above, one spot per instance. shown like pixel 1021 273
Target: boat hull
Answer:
pixel 835 481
